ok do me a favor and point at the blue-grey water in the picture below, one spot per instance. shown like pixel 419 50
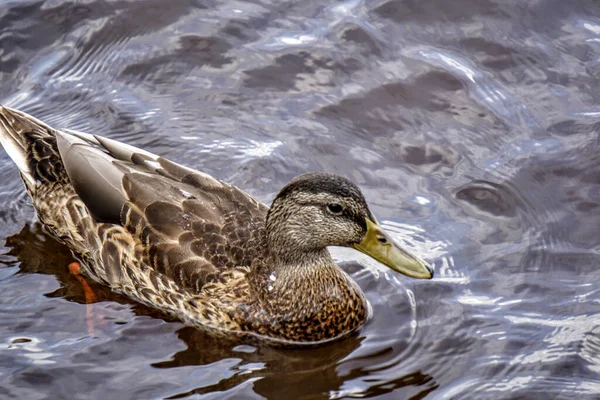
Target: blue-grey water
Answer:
pixel 471 125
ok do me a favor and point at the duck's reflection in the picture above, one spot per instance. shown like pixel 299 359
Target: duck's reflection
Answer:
pixel 38 252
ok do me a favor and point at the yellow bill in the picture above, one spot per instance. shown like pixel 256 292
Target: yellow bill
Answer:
pixel 378 245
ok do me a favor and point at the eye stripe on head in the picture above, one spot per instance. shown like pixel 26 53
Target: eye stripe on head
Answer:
pixel 322 190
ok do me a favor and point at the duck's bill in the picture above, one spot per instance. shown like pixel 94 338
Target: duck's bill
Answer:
pixel 380 246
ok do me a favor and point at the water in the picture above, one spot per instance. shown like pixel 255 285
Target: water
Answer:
pixel 471 125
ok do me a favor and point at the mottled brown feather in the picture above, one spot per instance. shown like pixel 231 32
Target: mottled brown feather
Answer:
pixel 180 240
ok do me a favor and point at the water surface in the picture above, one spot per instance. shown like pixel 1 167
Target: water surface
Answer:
pixel 471 125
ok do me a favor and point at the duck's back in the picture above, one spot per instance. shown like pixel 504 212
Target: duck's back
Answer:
pixel 129 214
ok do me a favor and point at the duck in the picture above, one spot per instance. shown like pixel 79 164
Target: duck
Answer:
pixel 199 249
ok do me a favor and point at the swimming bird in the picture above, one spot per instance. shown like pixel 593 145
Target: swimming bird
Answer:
pixel 197 248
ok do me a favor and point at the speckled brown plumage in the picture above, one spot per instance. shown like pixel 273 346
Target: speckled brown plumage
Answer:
pixel 190 245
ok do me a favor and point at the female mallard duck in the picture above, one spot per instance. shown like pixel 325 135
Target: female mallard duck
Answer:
pixel 204 251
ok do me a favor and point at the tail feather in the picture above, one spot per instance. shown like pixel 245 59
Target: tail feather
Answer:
pixel 31 144
pixel 14 144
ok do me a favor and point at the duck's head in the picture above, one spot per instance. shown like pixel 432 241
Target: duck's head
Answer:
pixel 316 210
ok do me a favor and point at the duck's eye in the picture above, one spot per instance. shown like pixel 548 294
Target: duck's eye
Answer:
pixel 335 208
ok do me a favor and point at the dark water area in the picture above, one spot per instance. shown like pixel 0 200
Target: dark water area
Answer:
pixel 472 127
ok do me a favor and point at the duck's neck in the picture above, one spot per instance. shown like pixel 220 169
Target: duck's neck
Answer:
pixel 309 268
pixel 296 280
pixel 303 284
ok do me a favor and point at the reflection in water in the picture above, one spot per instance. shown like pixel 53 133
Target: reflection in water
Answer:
pixel 471 126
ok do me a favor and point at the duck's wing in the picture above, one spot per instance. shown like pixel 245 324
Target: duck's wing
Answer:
pixel 189 226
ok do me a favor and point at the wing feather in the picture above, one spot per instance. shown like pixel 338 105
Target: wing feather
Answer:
pixel 182 226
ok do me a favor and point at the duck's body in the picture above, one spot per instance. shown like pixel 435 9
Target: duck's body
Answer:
pixel 195 247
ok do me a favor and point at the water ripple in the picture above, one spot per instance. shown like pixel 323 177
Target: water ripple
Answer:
pixel 471 126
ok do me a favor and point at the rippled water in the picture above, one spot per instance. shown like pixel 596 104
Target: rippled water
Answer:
pixel 471 125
